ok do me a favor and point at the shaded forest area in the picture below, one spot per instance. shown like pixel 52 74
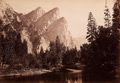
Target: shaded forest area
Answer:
pixel 100 54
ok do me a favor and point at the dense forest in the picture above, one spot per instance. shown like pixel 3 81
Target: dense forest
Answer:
pixel 100 54
pixel 14 54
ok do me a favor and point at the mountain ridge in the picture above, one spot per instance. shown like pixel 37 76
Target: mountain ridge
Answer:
pixel 38 28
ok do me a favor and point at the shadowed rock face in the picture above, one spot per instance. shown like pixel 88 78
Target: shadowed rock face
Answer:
pixel 37 27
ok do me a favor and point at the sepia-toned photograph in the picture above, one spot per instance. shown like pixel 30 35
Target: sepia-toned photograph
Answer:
pixel 59 41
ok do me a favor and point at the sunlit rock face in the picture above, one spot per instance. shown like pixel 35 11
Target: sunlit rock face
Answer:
pixel 34 15
pixel 38 28
pixel 51 25
pixel 47 27
pixel 59 28
pixel 46 20
pixel 7 14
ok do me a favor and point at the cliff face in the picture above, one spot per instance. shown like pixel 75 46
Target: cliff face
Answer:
pixel 59 28
pixel 7 14
pixel 46 20
pixel 38 28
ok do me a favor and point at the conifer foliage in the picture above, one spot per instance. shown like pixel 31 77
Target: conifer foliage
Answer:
pixel 91 27
pixel 107 17
pixel 101 54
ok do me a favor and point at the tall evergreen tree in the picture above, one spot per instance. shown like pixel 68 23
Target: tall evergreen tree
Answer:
pixel 41 51
pixel 91 27
pixel 20 47
pixel 71 42
pixel 107 17
pixel 52 54
pixel 58 44
pixel 24 48
pixel 60 48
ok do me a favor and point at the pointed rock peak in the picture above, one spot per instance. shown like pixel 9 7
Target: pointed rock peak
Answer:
pixel 39 8
pixel 54 13
pixel 35 14
pixel 62 19
pixel 48 18
pixel 54 10
pixel 36 10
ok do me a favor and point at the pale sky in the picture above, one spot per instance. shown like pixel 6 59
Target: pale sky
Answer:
pixel 75 11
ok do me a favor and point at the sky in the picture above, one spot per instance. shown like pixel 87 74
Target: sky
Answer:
pixel 75 11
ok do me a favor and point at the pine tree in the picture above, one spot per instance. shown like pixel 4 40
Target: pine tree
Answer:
pixel 41 51
pixel 52 54
pixel 71 42
pixel 60 48
pixel 18 46
pixel 24 48
pixel 1 24
pixel 58 44
pixel 91 27
pixel 1 50
pixel 42 57
pixel 107 17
